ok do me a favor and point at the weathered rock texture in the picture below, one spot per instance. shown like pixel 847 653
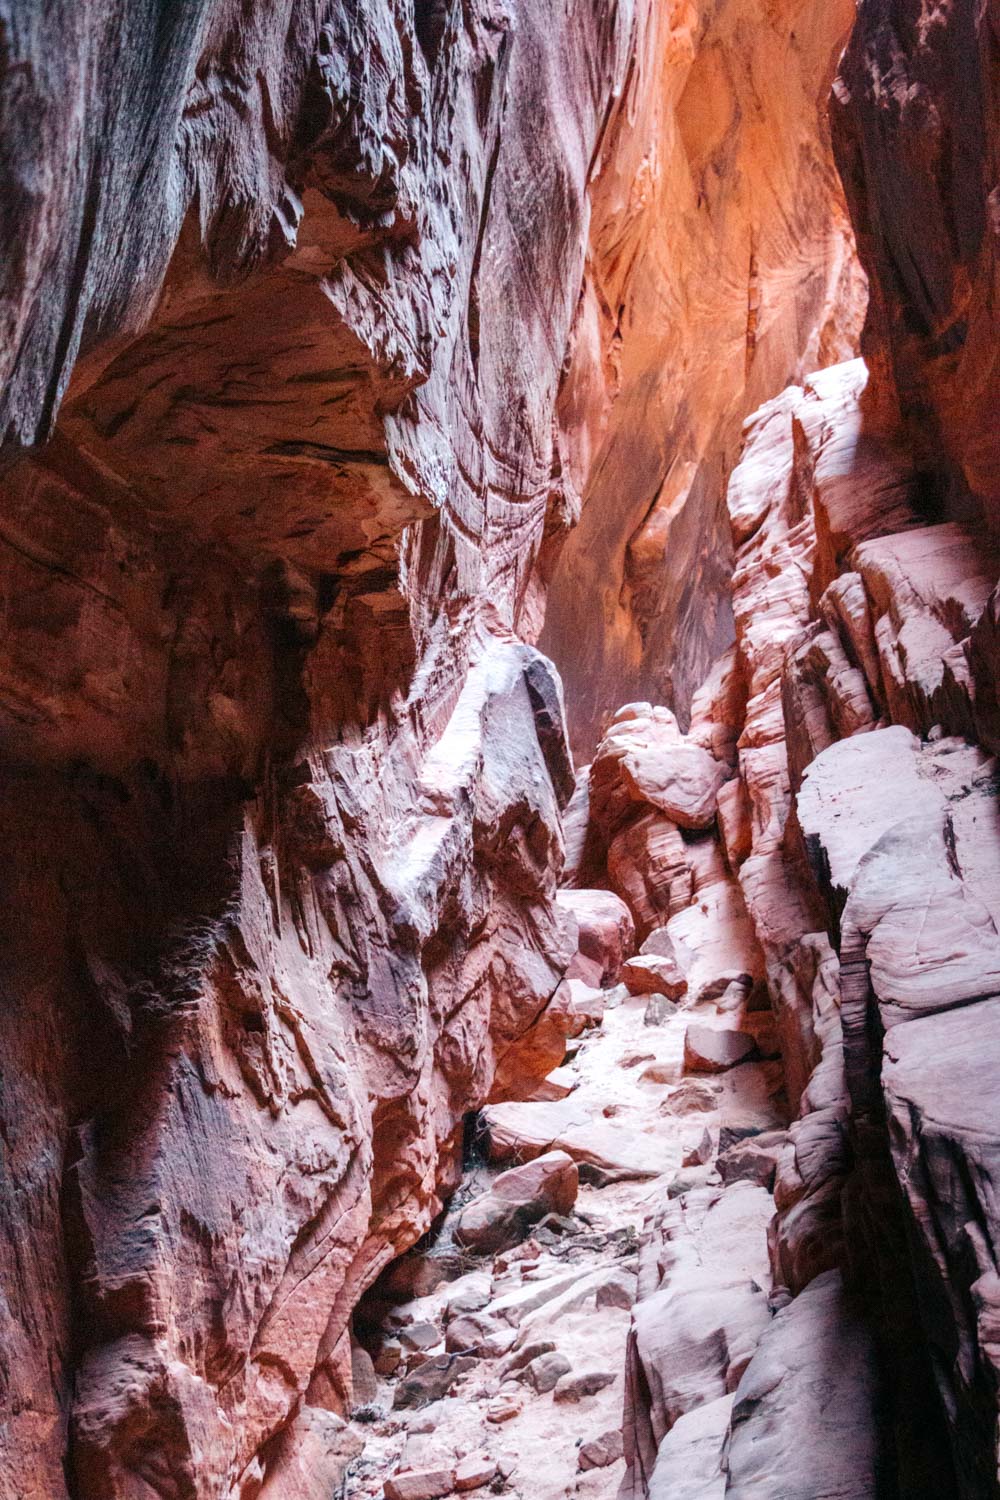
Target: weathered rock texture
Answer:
pixel 289 290
pixel 916 137
pixel 320 324
pixel 856 841
pixel 720 267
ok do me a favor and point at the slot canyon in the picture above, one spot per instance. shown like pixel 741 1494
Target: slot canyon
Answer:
pixel 499 695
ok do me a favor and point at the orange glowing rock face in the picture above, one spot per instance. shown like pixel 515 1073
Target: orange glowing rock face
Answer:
pixel 720 266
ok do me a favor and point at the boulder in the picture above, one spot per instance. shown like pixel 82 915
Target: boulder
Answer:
pixel 729 989
pixel 474 1471
pixel 658 1009
pixel 575 1387
pixel 709 1051
pixel 470 1332
pixel 754 1160
pixel 653 974
pixel 529 1130
pixel 503 1409
pixel 543 1373
pixel 419 1484
pixel 576 1006
pixel 471 1297
pixel 364 1381
pixel 606 932
pixel 389 1358
pixel 518 1199
pixel 676 777
pixel 524 1356
pixel 602 1451
pixel 691 1097
pixel 420 1336
pixel 432 1380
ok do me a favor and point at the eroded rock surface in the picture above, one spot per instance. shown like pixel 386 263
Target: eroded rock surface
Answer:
pixel 719 159
pixel 282 780
pixel 870 869
pixel 319 327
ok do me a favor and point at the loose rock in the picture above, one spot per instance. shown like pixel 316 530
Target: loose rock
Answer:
pixel 420 1484
pixel 576 1387
pixel 600 1452
pixel 710 1051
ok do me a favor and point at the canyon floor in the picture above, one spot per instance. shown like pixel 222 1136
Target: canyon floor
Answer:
pixel 509 1369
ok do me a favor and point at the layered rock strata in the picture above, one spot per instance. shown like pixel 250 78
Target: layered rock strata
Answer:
pixel 851 862
pixel 282 782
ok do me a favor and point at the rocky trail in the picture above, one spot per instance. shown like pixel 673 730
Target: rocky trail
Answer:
pixel 497 1354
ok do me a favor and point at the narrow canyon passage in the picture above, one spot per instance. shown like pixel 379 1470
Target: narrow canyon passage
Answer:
pixel 499 705
pixel 499 1350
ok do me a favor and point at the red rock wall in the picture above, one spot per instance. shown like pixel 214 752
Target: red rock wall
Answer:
pixel 861 819
pixel 720 267
pixel 915 129
pixel 288 291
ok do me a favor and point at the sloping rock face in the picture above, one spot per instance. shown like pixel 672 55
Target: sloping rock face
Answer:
pixel 720 267
pixel 289 291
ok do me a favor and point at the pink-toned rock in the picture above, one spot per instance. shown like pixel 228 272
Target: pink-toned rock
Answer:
pixel 751 1161
pixel 543 1373
pixel 698 1153
pixel 707 1050
pixel 650 974
pixel 503 1409
pixel 473 1472
pixel 814 1373
pixel 690 1097
pixel 702 1308
pixel 601 1452
pixel 680 780
pixel 313 1460
pixel 650 868
pixel 518 1199
pixel 606 934
pixel 573 1387
pixel 420 1484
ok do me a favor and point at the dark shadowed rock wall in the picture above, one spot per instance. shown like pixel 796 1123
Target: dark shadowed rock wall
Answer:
pixel 286 294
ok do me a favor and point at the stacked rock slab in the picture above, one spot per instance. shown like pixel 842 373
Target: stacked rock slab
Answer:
pixel 856 836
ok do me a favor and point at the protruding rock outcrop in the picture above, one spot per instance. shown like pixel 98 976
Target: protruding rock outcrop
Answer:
pixel 856 831
pixel 282 783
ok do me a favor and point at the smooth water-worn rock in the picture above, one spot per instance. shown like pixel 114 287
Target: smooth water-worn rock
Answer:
pixel 804 1412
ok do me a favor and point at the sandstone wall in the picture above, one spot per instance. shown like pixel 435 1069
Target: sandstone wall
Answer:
pixel 915 128
pixel 850 791
pixel 287 290
pixel 720 267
